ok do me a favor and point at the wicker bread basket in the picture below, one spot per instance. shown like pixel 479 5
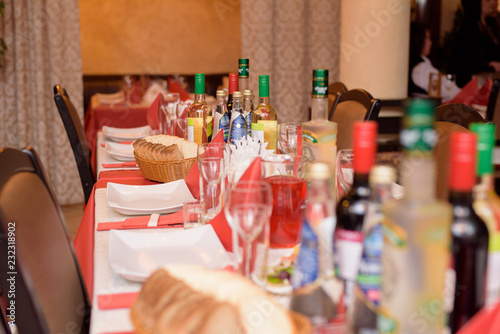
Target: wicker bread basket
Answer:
pixel 164 171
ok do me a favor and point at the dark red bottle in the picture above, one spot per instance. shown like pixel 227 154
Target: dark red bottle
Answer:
pixel 469 233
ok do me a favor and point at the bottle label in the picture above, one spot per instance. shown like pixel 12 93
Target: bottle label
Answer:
pixel 224 125
pixel 243 71
pixel 248 121
pixel 209 126
pixel 348 248
pixel 258 131
pixel 307 263
pixel 270 133
pixel 195 130
pixel 418 138
pixel 190 129
pixel 320 88
pixel 238 129
pixel 370 269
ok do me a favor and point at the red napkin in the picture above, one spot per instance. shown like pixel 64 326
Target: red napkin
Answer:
pixel 486 321
pixel 175 87
pixel 219 223
pixel 470 94
pixel 173 220
pixel 193 177
pixel 125 164
pixel 153 111
pixel 299 140
pixel 116 300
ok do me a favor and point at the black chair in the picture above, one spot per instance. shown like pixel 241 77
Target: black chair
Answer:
pixel 335 89
pixel 457 113
pixel 493 108
pixel 352 106
pixel 77 138
pixel 50 295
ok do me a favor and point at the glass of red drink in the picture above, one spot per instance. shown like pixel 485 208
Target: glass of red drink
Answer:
pixel 285 174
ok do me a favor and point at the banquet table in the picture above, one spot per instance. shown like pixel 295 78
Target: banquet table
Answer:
pixel 114 116
pixel 102 157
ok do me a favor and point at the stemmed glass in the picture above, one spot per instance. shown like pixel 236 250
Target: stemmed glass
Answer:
pixel 248 209
pixel 168 112
pixel 212 161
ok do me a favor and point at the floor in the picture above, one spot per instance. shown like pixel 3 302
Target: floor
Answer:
pixel 73 215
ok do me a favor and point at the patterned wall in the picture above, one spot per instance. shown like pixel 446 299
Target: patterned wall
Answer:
pixel 287 39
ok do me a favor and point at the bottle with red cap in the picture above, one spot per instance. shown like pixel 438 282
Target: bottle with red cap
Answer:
pixel 352 208
pixel 416 252
pixel 233 87
pixel 469 233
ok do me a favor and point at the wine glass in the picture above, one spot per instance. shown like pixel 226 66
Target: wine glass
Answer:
pixel 168 112
pixel 212 161
pixel 248 209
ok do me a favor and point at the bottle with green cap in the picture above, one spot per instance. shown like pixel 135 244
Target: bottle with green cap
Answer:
pixel 319 101
pixel 264 118
pixel 487 205
pixel 243 73
pixel 319 135
pixel 417 235
pixel 199 113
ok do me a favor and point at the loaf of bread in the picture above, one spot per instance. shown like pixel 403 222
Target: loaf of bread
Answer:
pixel 192 299
pixel 165 148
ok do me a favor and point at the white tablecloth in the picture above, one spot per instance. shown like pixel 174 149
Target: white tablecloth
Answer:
pixel 104 157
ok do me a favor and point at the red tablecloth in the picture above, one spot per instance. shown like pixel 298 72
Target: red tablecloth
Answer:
pixel 118 117
pixel 84 240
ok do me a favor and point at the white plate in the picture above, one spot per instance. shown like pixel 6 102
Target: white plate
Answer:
pixel 135 255
pixel 140 200
pixel 122 152
pixel 118 134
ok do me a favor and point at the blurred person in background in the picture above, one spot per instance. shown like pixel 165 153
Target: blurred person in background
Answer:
pixel 476 48
pixel 421 67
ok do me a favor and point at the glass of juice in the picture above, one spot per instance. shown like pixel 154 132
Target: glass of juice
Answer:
pixel 285 173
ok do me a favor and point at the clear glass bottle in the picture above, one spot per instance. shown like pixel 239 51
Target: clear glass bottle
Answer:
pixel 264 117
pixel 221 117
pixel 487 205
pixel 243 73
pixel 469 233
pixel 238 127
pixel 233 87
pixel 417 235
pixel 352 208
pixel 319 135
pixel 199 113
pixel 248 109
pixel 315 286
pixel 319 101
pixel 363 318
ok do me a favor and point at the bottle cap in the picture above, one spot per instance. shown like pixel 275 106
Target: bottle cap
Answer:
pixel 382 175
pixel 462 161
pixel 418 126
pixel 365 146
pixel 220 92
pixel 486 137
pixel 237 94
pixel 199 83
pixel 264 85
pixel 233 82
pixel 243 67
pixel 247 92
pixel 320 83
pixel 319 171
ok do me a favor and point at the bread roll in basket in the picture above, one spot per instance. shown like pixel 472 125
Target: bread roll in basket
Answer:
pixel 186 299
pixel 164 158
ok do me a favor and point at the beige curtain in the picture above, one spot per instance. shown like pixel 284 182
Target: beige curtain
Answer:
pixel 43 40
pixel 287 39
